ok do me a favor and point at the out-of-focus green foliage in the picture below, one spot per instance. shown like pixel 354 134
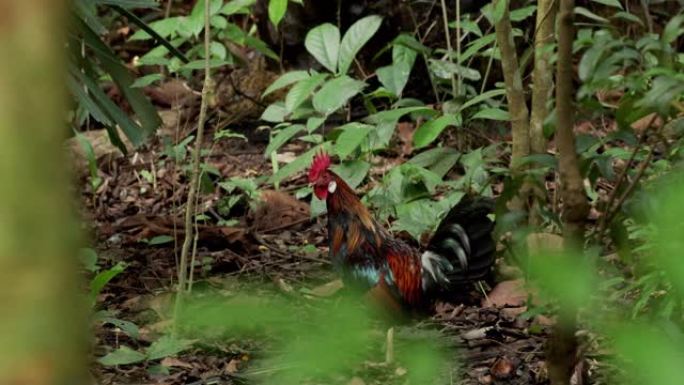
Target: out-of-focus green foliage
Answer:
pixel 313 341
pixel 90 59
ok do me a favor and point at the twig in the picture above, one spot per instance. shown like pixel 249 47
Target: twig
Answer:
pixel 630 188
pixel 450 50
pixel 603 223
pixel 194 178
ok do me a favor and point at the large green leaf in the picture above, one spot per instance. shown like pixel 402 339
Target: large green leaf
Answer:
pixel 394 77
pixel 110 63
pixel 353 134
pixel 285 80
pixel 395 114
pixel 430 130
pixel 282 137
pixel 122 356
pixel 323 43
pixel 276 10
pixel 302 90
pixel 303 161
pixel 353 171
pixel 356 37
pixel 237 6
pixel 335 93
pixel 166 346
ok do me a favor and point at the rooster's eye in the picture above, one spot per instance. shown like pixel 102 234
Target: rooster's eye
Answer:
pixel 332 186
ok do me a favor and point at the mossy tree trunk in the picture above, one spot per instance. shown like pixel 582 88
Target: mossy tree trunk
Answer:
pixel 542 91
pixel 563 345
pixel 515 95
pixel 41 327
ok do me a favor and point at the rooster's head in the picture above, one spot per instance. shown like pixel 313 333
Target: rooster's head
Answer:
pixel 320 177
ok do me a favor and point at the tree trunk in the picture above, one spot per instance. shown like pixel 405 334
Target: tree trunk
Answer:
pixel 41 326
pixel 517 108
pixel 562 345
pixel 542 87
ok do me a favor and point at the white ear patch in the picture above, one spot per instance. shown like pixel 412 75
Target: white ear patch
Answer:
pixel 332 186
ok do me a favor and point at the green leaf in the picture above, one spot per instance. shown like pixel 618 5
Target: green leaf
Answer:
pixel 282 137
pixel 335 93
pixel 127 327
pixel 275 113
pixel 122 356
pixel 160 240
pixel 430 130
pixel 394 77
pixel 88 258
pixel 110 63
pixel 128 3
pixel 438 160
pixel 482 97
pixel 673 29
pixel 101 279
pixel 276 10
pixel 146 80
pixel 523 13
pixel 356 37
pixel 491 113
pixel 444 69
pixel 237 6
pixel 303 161
pixel 353 171
pixel 610 3
pixel 323 43
pixel 218 50
pixel 302 90
pixel 353 134
pixel 590 15
pixel 164 27
pixel 500 7
pixel 166 346
pixel 395 114
pixel 285 80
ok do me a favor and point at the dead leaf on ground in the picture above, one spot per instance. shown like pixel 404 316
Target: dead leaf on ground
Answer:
pixel 171 362
pixel 507 294
pixel 102 148
pixel 327 289
pixel 503 368
pixel 640 125
pixel 232 367
pixel 405 132
pixel 277 211
pixel 356 381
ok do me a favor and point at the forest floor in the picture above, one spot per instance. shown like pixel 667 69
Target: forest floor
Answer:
pixel 135 217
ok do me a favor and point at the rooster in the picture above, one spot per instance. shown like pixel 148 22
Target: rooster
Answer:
pixel 368 258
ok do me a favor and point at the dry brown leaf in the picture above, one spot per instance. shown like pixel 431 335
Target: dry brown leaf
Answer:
pixel 642 124
pixel 327 289
pixel 503 368
pixel 171 362
pixel 507 294
pixel 233 366
pixel 277 211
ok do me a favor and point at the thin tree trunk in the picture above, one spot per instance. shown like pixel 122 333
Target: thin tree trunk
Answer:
pixel 42 322
pixel 517 108
pixel 563 345
pixel 542 87
pixel 191 204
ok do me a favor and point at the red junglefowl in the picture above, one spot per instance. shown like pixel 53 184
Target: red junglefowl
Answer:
pixel 368 258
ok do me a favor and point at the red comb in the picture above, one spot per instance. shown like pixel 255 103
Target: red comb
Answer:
pixel 321 162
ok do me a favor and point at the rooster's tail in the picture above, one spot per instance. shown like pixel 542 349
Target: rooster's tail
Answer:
pixel 462 248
